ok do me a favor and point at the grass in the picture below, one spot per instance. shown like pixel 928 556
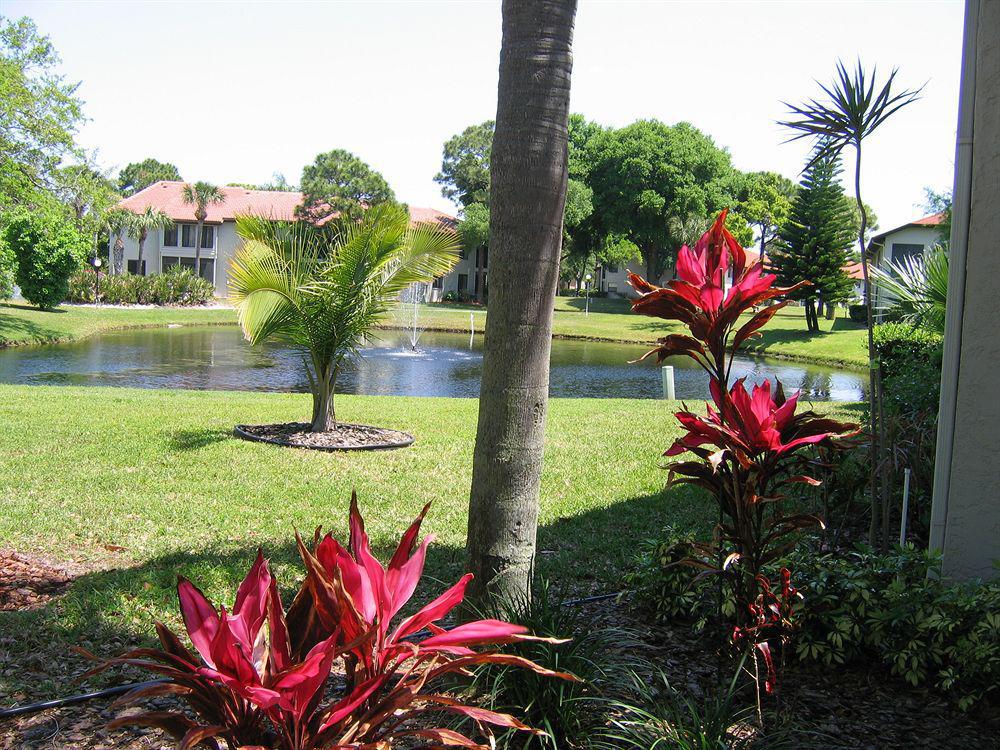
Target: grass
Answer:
pixel 21 323
pixel 841 342
pixel 141 485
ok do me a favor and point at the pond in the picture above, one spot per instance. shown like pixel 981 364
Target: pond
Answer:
pixel 445 364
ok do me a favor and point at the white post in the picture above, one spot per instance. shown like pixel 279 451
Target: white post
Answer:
pixel 667 372
pixel 472 322
pixel 906 507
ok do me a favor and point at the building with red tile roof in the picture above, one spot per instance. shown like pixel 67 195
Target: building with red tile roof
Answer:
pixel 176 245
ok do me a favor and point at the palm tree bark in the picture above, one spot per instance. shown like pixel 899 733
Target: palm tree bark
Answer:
pixel 138 262
pixel 527 199
pixel 197 247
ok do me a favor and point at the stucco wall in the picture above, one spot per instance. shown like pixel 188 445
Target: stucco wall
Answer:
pixel 153 251
pixel 972 531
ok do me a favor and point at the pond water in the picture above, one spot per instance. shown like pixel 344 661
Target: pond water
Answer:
pixel 445 364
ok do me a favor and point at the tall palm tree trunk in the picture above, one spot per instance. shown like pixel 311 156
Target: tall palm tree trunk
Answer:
pixel 323 382
pixel 528 195
pixel 197 248
pixel 138 262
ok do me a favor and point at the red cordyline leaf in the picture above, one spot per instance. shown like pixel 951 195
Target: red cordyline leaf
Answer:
pixel 250 688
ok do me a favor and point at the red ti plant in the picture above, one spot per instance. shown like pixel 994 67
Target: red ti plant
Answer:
pixel 249 688
pixel 749 447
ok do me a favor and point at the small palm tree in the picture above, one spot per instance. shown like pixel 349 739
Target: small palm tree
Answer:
pixel 138 226
pixel 918 284
pixel 201 195
pixel 323 289
pixel 116 221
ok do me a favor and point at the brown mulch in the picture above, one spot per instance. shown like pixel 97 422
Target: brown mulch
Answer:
pixel 344 437
pixel 836 708
pixel 28 582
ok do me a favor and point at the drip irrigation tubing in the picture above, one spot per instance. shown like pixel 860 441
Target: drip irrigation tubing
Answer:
pixel 33 708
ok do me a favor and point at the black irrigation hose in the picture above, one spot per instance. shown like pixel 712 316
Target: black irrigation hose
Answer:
pixel 33 708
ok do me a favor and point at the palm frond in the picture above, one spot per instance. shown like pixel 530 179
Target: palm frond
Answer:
pixel 918 286
pixel 851 112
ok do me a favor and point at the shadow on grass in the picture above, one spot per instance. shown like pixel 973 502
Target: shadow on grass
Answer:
pixel 109 611
pixel 192 440
pixel 16 329
pixel 610 305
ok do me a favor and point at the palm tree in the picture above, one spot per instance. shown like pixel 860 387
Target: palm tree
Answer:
pixel 116 221
pixel 201 195
pixel 527 198
pixel 854 111
pixel 324 289
pixel 138 226
pixel 918 284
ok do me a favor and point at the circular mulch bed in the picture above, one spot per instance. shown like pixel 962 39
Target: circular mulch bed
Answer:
pixel 346 437
pixel 27 582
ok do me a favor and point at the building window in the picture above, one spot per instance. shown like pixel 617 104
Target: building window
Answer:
pixel 903 250
pixel 438 283
pixel 208 270
pixel 133 267
pixel 207 265
pixel 207 237
pixel 170 236
pixel 463 283
pixel 187 235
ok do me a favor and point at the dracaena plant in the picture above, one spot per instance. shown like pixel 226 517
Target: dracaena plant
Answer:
pixel 249 684
pixel 750 446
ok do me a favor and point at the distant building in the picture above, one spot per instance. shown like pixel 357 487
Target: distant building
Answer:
pixel 176 244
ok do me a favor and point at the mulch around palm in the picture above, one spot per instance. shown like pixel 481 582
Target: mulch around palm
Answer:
pixel 344 437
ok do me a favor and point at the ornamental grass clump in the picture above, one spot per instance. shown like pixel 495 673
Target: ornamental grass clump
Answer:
pixel 333 671
pixel 750 447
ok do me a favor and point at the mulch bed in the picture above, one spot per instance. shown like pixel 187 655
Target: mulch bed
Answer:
pixel 28 582
pixel 345 437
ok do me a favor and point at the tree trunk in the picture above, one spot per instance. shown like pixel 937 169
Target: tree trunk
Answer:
pixel 528 196
pixel 138 263
pixel 649 257
pixel 323 384
pixel 812 324
pixel 197 249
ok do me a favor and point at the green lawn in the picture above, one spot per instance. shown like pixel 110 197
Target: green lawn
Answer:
pixel 841 342
pixel 140 486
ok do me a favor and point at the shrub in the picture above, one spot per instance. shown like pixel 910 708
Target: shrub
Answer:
pixel 8 269
pixel 861 606
pixel 251 682
pixel 48 250
pixel 752 447
pixel 858 313
pixel 603 658
pixel 911 366
pixel 175 286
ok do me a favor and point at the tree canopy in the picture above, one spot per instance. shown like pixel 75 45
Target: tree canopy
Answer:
pixel 765 203
pixel 465 165
pixel 815 242
pixel 39 115
pixel 140 175
pixel 656 185
pixel 338 181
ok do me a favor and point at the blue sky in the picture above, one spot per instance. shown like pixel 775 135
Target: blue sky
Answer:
pixel 236 91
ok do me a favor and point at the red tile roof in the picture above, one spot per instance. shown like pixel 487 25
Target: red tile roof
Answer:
pixel 931 221
pixel 853 269
pixel 275 204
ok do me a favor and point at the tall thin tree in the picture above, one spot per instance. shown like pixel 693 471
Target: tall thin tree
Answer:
pixel 853 111
pixel 138 226
pixel 528 173
pixel 201 195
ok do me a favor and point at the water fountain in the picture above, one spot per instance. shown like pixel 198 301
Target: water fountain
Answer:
pixel 408 313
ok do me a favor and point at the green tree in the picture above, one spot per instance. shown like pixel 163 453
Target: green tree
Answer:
pixel 116 223
pixel 528 174
pixel 474 227
pixel 88 195
pixel 649 179
pixel 201 195
pixel 465 165
pixel 48 249
pixel 39 115
pixel 765 203
pixel 140 175
pixel 338 181
pixel 855 107
pixel 815 241
pixel 139 225
pixel 8 268
pixel 940 203
pixel 325 289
